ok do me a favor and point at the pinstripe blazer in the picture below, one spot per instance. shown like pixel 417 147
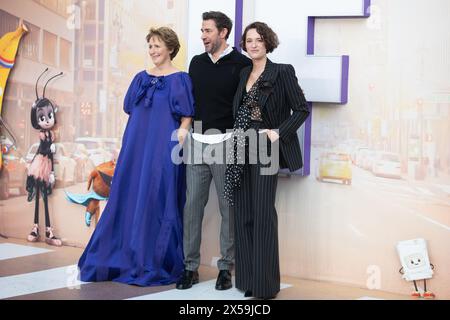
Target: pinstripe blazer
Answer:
pixel 280 94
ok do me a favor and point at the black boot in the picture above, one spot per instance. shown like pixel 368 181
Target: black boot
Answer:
pixel 187 279
pixel 223 280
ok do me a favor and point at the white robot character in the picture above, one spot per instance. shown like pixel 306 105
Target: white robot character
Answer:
pixel 416 265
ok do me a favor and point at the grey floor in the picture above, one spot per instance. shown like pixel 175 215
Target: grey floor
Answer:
pixel 38 271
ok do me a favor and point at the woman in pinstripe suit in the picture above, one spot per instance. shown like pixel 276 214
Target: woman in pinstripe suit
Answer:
pixel 266 95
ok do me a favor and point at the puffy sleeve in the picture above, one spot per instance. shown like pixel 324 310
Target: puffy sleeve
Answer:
pixel 182 98
pixel 130 96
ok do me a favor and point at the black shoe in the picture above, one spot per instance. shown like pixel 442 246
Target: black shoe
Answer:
pixel 187 279
pixel 248 293
pixel 224 280
pixel 267 298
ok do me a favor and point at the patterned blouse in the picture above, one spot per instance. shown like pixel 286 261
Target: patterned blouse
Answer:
pixel 248 111
pixel 250 100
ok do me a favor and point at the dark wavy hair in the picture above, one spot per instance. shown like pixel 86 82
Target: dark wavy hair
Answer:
pixel 269 37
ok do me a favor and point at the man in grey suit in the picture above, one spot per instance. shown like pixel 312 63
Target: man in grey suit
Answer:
pixel 215 76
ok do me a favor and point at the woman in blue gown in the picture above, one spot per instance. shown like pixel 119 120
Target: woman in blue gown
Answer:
pixel 138 239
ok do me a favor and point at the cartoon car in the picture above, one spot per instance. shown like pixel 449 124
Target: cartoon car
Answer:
pixel 387 164
pixel 112 145
pixel 84 164
pixel 335 166
pixel 13 174
pixel 96 148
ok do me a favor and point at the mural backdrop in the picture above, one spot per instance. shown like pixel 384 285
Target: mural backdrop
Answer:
pixel 379 164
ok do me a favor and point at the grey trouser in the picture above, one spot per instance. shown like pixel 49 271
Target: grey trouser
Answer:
pixel 198 181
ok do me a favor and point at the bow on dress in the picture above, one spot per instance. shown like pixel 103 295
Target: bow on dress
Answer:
pixel 147 89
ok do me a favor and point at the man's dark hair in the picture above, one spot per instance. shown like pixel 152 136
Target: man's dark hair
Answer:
pixel 221 20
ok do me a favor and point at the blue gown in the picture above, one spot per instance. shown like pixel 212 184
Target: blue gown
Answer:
pixel 138 239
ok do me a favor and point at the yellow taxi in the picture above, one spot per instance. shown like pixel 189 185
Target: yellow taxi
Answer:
pixel 335 166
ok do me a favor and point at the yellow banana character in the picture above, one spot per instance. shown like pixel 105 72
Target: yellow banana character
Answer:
pixel 9 44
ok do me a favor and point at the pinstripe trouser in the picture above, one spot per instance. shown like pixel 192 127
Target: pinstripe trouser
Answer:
pixel 198 181
pixel 256 232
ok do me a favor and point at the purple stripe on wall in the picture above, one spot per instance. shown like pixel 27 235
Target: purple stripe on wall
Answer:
pixel 307 143
pixel 344 79
pixel 366 8
pixel 311 24
pixel 238 23
pixel 344 82
pixel 310 35
pixel 345 59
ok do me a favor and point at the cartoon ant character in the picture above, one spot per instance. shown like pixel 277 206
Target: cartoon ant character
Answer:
pixel 416 265
pixel 41 176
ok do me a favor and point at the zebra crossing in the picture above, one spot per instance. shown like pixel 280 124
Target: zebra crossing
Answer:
pixel 37 283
